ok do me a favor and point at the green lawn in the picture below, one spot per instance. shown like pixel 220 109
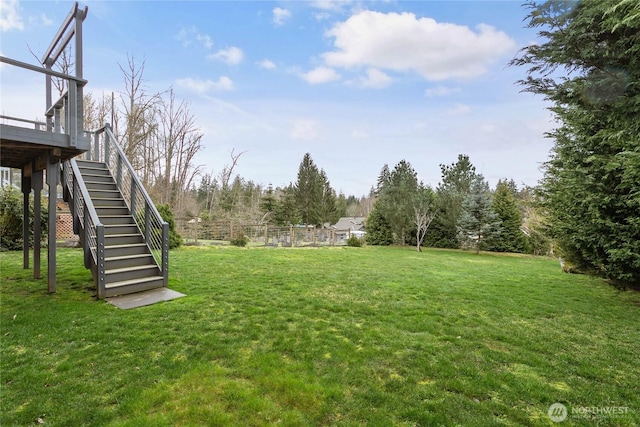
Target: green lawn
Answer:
pixel 331 336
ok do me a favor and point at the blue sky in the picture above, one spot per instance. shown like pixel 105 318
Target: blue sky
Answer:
pixel 357 84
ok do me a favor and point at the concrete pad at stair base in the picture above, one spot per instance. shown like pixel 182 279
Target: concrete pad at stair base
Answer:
pixel 140 299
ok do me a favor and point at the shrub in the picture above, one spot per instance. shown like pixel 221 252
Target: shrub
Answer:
pixel 11 207
pixel 175 240
pixel 354 241
pixel 240 240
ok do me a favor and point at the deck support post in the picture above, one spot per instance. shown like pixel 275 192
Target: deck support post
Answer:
pixel 26 229
pixel 36 184
pixel 53 170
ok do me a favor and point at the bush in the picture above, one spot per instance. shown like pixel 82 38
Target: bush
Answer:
pixel 175 240
pixel 11 207
pixel 354 241
pixel 240 240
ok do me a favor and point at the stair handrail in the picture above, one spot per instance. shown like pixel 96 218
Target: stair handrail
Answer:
pixel 86 221
pixel 154 228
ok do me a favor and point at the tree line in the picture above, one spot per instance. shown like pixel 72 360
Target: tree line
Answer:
pixel 461 212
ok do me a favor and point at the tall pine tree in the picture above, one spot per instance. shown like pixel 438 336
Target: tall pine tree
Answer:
pixel 507 209
pixel 308 191
pixel 587 66
pixel 397 194
pixel 451 191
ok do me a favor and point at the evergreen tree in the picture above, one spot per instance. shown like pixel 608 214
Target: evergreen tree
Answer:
pixel 397 195
pixel 286 211
pixel 342 204
pixel 383 178
pixel 505 205
pixel 268 204
pixel 378 229
pixel 587 65
pixel 454 186
pixel 328 209
pixel 477 221
pixel 308 191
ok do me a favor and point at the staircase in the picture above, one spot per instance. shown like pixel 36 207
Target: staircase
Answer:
pixel 129 263
pixel 124 238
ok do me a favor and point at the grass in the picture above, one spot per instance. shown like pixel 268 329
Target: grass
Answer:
pixel 331 336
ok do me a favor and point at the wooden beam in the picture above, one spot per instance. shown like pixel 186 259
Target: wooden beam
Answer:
pixel 54 156
pixel 40 163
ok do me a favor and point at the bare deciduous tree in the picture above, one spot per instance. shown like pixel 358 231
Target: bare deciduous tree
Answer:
pixel 179 140
pixel 424 212
pixel 423 218
pixel 140 123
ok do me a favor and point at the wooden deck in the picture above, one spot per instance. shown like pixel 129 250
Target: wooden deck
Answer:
pixel 20 146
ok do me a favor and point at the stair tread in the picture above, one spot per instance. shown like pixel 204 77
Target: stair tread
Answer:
pixel 132 268
pixel 134 282
pixel 128 245
pixel 85 169
pixel 122 257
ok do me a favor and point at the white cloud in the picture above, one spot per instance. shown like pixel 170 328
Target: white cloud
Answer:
pixel 45 20
pixel 205 40
pixel 321 16
pixel 280 15
pixel 375 79
pixel 204 86
pixel 187 36
pixel 459 109
pixel 320 75
pixel 332 5
pixel 440 91
pixel 305 130
pixel 403 42
pixel 267 64
pixel 10 18
pixel 231 56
